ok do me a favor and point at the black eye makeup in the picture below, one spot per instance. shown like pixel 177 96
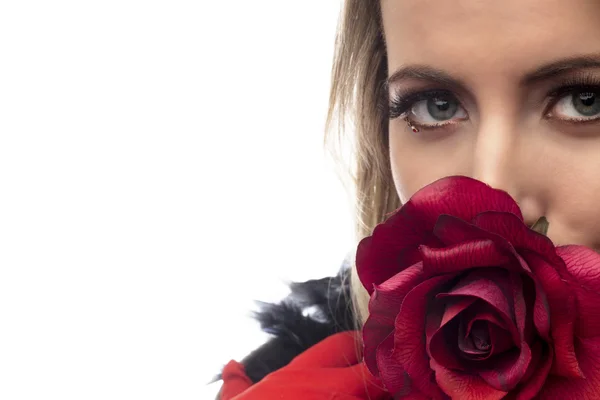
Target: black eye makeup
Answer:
pixel 440 104
pixel 573 100
pixel 430 109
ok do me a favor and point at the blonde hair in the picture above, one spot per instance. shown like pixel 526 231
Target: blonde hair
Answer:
pixel 358 97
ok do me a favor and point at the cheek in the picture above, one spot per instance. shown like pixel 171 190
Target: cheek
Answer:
pixel 573 187
pixel 417 161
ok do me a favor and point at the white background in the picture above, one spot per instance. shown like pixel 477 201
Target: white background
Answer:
pixel 161 166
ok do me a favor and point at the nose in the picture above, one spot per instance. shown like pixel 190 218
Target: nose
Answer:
pixel 499 161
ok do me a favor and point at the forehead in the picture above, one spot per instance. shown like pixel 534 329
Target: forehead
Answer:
pixel 487 38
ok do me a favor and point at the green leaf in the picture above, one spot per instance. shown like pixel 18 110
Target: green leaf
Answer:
pixel 541 226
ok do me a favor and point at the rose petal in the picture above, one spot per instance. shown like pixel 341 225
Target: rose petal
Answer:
pixel 501 339
pixel 508 370
pixel 452 230
pixel 453 308
pixel 433 321
pixel 461 197
pixel 443 343
pixel 390 294
pixel 538 371
pixel 467 339
pixel 541 311
pixel 437 346
pixel 563 313
pixel 517 233
pixel 462 256
pixel 413 395
pixel 498 323
pixel 487 289
pixel 384 306
pixel 492 287
pixel 443 347
pixel 393 376
pixel 519 307
pixel 588 354
pixel 584 267
pixel 392 243
pixel 410 350
pixel 372 333
pixel 464 386
pixel 487 316
pixel 528 296
pixel 390 250
pixel 536 354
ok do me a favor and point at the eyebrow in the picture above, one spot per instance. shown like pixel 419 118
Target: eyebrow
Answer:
pixel 547 71
pixel 561 66
pixel 425 73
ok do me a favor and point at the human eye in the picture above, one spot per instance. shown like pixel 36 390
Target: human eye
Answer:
pixel 431 109
pixel 577 101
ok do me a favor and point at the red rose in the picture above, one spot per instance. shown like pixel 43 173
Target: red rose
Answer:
pixel 467 302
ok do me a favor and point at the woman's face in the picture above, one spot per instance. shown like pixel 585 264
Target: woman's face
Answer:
pixel 507 92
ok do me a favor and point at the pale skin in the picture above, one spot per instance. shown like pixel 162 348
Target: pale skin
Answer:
pixel 502 126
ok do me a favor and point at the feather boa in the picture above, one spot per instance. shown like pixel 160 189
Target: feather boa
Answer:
pixel 314 310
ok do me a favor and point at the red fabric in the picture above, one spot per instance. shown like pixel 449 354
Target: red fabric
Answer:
pixel 235 380
pixel 330 370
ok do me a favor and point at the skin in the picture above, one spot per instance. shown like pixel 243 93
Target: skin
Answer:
pixel 550 166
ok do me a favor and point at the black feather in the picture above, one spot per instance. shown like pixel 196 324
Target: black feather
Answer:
pixel 314 310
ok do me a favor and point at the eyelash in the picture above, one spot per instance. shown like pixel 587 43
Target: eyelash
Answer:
pixel 578 83
pixel 402 102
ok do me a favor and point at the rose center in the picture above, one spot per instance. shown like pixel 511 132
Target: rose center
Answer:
pixel 480 336
pixel 474 340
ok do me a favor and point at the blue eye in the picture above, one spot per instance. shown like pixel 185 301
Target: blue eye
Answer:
pixel 431 109
pixel 439 108
pixel 580 105
pixel 435 110
pixel 576 99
